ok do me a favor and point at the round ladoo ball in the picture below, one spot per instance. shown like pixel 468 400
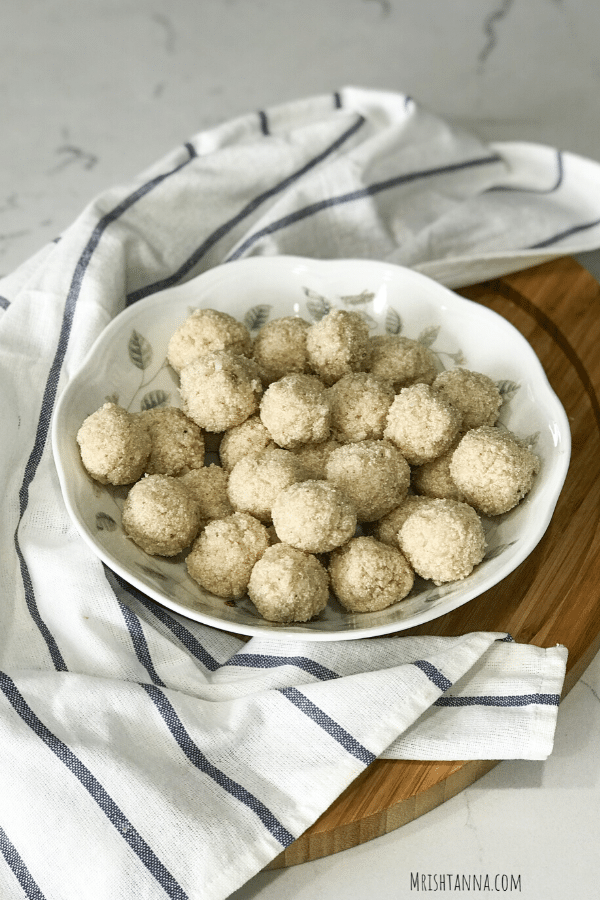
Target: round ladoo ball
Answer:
pixel 433 478
pixel 443 540
pixel 338 344
pixel 203 331
pixel 360 403
pixel 255 481
pixel 288 585
pixel 114 445
pixel 367 575
pixel 177 442
pixel 402 361
pixel 280 348
pixel 314 516
pixel 313 457
pixel 388 527
pixel 373 474
pixel 421 423
pixel 248 439
pixel 160 515
pixel 209 487
pixel 223 555
pixel 220 390
pixel 473 394
pixel 295 410
pixel 493 469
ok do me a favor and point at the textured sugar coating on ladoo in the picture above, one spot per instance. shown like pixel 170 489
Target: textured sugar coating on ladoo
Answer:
pixel 314 516
pixel 247 439
pixel 296 410
pixel 401 361
pixel 255 481
pixel 421 423
pixel 160 515
pixel 443 540
pixel 220 390
pixel 474 394
pixel 493 469
pixel 433 478
pixel 367 575
pixel 209 487
pixel 224 553
pixel 279 348
pixel 360 403
pixel 372 474
pixel 288 585
pixel 337 345
pixel 204 331
pixel 177 442
pixel 114 445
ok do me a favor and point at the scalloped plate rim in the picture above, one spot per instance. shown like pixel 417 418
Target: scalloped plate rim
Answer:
pixel 210 281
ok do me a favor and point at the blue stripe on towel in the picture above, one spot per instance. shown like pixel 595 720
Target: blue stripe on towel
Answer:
pixel 360 194
pixel 264 122
pixel 556 238
pixel 433 674
pixel 198 759
pixel 506 701
pixel 247 210
pixel 189 641
pixel 262 661
pixel 524 190
pixel 98 793
pixel 49 397
pixel 19 869
pixel 339 734
pixel 140 645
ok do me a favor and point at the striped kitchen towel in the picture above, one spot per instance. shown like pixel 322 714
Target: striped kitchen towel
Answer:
pixel 145 755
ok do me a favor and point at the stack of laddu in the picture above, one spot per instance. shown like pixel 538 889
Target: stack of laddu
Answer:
pixel 348 463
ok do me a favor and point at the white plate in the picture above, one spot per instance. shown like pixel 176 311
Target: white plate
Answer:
pixel 127 364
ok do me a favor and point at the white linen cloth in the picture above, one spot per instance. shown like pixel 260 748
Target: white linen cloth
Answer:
pixel 144 755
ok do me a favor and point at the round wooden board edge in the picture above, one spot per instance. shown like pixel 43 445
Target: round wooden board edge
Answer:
pixel 315 844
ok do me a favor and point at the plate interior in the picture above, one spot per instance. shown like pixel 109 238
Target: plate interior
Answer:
pixel 127 365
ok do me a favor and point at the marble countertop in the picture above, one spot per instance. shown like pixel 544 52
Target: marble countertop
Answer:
pixel 94 92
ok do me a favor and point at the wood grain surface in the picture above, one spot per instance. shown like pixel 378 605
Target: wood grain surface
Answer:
pixel 553 597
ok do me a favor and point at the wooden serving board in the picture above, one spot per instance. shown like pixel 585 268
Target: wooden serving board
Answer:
pixel 553 597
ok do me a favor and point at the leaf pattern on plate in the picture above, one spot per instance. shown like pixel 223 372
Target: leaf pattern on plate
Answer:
pixel 154 399
pixel 432 595
pixel 155 573
pixel 393 322
pixel 317 305
pixel 149 382
pixel 531 440
pixel 457 358
pixel 429 336
pixel 256 316
pixel 104 522
pixel 357 299
pixel 493 552
pixel 140 350
pixel 507 389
